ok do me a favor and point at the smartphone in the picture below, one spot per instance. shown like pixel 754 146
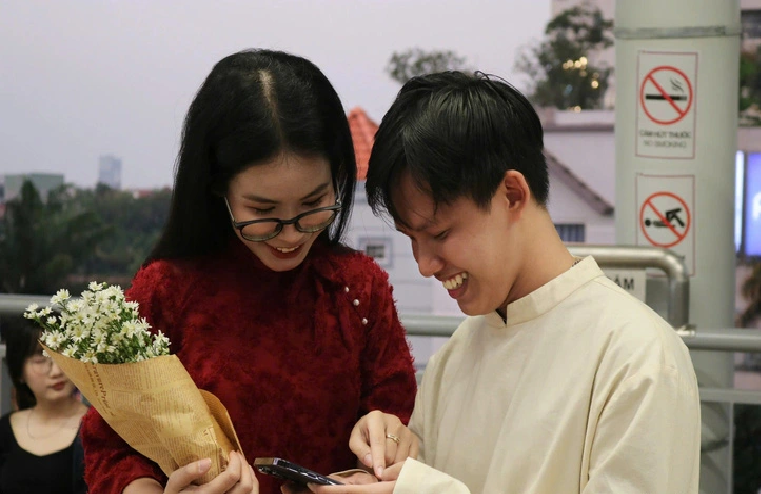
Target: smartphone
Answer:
pixel 286 470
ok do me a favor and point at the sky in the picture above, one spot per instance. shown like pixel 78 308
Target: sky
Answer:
pixel 85 78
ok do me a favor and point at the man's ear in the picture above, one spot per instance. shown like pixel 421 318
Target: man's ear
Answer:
pixel 515 190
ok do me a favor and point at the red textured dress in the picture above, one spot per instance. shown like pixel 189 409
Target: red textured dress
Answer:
pixel 296 357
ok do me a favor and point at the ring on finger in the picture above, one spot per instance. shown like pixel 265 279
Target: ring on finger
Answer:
pixel 393 438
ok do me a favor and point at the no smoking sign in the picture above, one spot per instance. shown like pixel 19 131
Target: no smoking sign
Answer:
pixel 666 96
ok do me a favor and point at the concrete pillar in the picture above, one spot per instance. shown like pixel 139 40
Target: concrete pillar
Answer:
pixel 676 124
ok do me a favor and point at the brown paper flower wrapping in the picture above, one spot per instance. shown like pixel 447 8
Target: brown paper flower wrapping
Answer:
pixel 155 406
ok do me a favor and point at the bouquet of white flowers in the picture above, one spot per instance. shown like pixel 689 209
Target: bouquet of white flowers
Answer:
pixel 126 372
pixel 100 328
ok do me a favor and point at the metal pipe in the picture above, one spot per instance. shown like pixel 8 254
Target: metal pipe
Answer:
pixel 670 263
pixel 425 325
pixel 724 340
pixel 17 304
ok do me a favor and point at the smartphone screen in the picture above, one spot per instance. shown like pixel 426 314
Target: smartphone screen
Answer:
pixel 287 470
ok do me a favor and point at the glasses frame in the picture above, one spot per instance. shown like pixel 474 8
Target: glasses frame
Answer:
pixel 279 224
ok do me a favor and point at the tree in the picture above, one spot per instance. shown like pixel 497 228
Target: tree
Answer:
pixel 559 67
pixel 749 96
pixel 41 243
pixel 747 435
pixel 751 292
pixel 77 236
pixel 137 223
pixel 413 62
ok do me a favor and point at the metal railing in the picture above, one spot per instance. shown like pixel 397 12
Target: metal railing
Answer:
pixel 667 261
pixel 16 304
pixel 720 340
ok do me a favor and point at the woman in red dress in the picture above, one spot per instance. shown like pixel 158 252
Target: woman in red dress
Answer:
pixel 295 333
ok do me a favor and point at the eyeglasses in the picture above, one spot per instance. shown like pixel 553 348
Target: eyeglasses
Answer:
pixel 41 364
pixel 268 228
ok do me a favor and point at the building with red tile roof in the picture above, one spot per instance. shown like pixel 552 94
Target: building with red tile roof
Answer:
pixel 363 131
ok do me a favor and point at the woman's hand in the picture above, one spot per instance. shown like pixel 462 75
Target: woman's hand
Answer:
pixel 238 478
pixel 380 439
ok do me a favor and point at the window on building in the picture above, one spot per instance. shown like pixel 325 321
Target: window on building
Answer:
pixel 377 248
pixel 572 232
pixel 751 24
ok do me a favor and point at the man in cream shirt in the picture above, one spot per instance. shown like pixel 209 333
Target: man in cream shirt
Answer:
pixel 558 382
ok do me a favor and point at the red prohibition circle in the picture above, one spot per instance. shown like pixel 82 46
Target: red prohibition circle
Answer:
pixel 680 113
pixel 679 237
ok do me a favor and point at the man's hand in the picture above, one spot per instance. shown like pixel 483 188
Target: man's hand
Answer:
pixel 380 439
pixel 358 486
pixel 347 477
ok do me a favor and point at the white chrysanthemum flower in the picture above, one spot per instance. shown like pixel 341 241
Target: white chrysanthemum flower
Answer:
pixel 32 308
pixel 77 319
pixel 78 333
pixel 60 297
pixel 56 341
pixel 143 325
pixel 129 329
pixel 98 335
pixel 95 286
pixel 113 292
pixel 69 351
pixel 89 356
pixel 51 320
pixel 161 344
pixel 100 326
pixel 50 339
pixel 74 306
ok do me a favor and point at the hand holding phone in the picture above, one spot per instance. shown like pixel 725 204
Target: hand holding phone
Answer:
pixel 286 470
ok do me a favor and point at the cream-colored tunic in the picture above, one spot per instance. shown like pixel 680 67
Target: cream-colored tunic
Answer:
pixel 584 390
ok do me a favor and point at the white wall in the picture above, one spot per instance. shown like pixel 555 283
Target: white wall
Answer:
pixel 411 290
pixel 590 155
pixel 749 138
pixel 565 206
pixel 413 293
